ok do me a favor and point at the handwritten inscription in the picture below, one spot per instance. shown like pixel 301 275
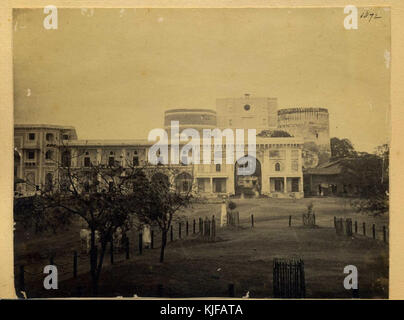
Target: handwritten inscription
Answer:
pixel 369 15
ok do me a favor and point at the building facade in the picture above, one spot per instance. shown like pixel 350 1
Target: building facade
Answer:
pixel 278 163
pixel 37 153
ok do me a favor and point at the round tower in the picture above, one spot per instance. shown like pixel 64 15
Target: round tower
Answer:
pixel 311 124
pixel 190 118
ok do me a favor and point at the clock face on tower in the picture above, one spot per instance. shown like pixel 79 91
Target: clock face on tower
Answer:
pixel 247 107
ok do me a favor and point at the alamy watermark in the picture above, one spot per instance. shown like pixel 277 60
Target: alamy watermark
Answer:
pixel 190 152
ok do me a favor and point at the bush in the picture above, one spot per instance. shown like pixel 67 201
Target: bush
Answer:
pixel 376 205
pixel 232 205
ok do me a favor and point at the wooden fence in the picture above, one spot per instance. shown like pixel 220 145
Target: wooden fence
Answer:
pixel 348 228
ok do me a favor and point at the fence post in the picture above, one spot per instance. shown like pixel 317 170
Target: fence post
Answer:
pixel 231 290
pixel 384 234
pixel 22 279
pixel 171 234
pixel 186 228
pixel 160 290
pixel 75 264
pixel 140 243
pixel 193 227
pixel 179 230
pixel 374 231
pixel 213 233
pixel 314 218
pixel 111 251
pixel 127 249
pixel 252 221
pixel 356 226
pixel 364 228
pixel 302 279
pixel 290 221
pixel 238 219
pixel 335 222
pixel 152 240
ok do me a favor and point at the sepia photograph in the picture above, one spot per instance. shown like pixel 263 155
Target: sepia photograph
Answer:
pixel 201 152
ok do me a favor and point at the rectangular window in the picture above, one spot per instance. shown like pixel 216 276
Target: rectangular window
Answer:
pixel 31 155
pixel 111 161
pixel 219 185
pixel 135 161
pixel 218 167
pixel 277 184
pixel 65 137
pixel 295 185
pixel 201 185
pixel 87 162
pixel 31 136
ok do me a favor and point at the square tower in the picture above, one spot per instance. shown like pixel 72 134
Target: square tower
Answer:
pixel 247 112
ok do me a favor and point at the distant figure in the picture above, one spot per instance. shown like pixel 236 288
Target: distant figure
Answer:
pixel 85 237
pixel 146 237
pixel 223 214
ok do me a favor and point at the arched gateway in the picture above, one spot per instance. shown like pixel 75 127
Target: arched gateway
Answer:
pixel 248 185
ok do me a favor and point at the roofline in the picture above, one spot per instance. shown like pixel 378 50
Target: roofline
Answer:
pixel 189 110
pixel 43 126
pixel 301 109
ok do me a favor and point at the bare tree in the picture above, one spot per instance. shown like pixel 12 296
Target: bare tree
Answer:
pixel 102 195
pixel 107 197
pixel 169 190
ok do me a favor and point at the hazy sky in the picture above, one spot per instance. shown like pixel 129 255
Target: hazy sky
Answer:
pixel 113 72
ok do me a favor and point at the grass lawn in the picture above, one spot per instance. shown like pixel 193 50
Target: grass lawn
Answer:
pixel 196 268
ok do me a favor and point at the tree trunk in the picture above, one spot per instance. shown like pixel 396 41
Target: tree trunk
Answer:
pixel 99 267
pixel 93 263
pixel 163 245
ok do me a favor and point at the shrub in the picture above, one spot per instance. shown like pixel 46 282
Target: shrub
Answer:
pixel 232 205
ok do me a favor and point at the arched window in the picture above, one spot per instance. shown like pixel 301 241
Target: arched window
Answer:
pixel 277 166
pixel 183 182
pixel 49 155
pixel 49 137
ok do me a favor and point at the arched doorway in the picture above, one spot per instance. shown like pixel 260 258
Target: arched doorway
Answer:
pixel 248 185
pixel 183 182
